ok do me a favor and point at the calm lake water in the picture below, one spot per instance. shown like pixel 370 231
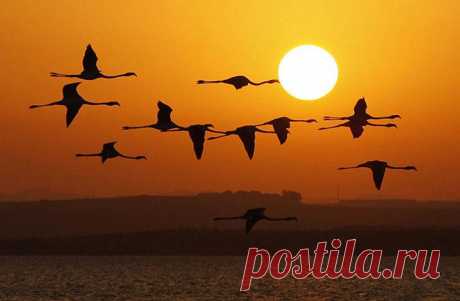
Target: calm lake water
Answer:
pixel 196 278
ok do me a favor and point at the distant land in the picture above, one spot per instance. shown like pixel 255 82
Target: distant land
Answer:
pixel 183 224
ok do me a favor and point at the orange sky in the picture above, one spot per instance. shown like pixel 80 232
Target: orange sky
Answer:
pixel 401 55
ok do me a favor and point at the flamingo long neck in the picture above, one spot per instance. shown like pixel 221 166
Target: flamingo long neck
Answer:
pixel 264 131
pixel 114 76
pixel 228 218
pixel 89 155
pixel 399 167
pixel 303 120
pixel 178 129
pixel 350 167
pixel 375 124
pixel 260 83
pixel 335 126
pixel 382 117
pixel 214 131
pixel 54 74
pixel 129 157
pixel 221 136
pixel 104 103
pixel 276 219
pixel 55 103
pixel 209 81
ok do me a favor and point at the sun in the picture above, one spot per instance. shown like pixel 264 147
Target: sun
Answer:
pixel 308 72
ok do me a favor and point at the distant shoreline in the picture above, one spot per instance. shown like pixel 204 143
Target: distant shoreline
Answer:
pixel 183 225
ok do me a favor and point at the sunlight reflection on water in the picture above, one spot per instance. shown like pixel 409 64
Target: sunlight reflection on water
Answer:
pixel 196 278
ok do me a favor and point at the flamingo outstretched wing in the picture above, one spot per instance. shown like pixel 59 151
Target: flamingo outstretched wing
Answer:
pixel 378 172
pixel 90 60
pixel 70 91
pixel 281 130
pixel 198 137
pixel 108 147
pixel 360 107
pixel 356 130
pixel 255 212
pixel 250 224
pixel 248 137
pixel 164 113
pixel 72 112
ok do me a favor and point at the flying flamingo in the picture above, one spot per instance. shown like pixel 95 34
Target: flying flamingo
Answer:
pixel 108 152
pixel 238 82
pixel 164 121
pixel 359 119
pixel 247 135
pixel 282 124
pixel 252 216
pixel 378 170
pixel 73 102
pixel 197 133
pixel 90 70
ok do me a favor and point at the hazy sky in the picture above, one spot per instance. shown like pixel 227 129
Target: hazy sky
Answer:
pixel 401 55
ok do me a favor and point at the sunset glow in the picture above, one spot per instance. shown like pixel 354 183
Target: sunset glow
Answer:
pixel 308 72
pixel 172 44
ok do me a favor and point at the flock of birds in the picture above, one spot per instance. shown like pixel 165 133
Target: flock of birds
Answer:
pixel 197 132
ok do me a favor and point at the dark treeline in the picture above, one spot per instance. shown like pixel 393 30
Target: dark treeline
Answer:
pixel 232 242
pixel 21 220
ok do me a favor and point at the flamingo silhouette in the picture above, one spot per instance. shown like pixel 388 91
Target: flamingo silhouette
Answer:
pixel 164 121
pixel 73 102
pixel 282 124
pixel 247 136
pixel 90 70
pixel 378 170
pixel 238 82
pixel 252 216
pixel 197 133
pixel 359 119
pixel 109 151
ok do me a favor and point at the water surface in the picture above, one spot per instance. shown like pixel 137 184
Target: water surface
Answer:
pixel 47 278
